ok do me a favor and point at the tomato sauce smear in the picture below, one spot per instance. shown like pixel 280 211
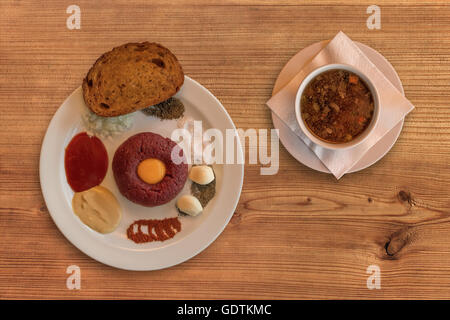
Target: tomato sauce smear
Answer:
pixel 85 162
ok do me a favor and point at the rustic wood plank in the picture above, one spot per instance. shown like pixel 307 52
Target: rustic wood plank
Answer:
pixel 299 234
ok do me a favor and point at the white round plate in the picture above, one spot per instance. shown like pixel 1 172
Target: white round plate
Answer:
pixel 115 249
pixel 295 146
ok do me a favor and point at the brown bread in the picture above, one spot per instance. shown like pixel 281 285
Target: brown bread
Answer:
pixel 131 77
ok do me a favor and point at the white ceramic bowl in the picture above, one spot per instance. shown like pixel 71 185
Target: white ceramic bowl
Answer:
pixel 302 124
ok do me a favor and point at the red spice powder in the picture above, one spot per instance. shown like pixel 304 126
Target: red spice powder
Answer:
pixel 158 230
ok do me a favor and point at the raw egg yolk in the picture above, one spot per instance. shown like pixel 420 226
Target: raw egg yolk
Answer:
pixel 151 170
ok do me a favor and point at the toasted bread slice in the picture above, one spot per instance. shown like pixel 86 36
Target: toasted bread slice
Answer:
pixel 130 77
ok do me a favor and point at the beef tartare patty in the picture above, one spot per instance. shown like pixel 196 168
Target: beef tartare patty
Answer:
pixel 131 153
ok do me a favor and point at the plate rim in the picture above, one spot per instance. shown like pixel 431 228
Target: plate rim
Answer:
pixel 136 264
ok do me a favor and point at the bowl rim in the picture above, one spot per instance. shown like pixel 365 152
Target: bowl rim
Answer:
pixel 311 136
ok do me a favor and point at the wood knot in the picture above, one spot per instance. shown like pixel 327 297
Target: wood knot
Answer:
pixel 398 240
pixel 405 196
pixel 43 209
pixel 236 218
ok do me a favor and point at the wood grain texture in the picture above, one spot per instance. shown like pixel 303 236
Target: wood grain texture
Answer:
pixel 298 234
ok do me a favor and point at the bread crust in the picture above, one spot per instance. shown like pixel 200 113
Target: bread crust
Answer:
pixel 131 77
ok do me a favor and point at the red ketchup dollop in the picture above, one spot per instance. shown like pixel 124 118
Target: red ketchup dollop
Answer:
pixel 85 161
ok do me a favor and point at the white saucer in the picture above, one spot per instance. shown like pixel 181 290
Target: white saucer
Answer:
pixel 295 146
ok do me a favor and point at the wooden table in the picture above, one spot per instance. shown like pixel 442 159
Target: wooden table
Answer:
pixel 298 234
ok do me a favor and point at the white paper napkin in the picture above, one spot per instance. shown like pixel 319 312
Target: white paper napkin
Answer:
pixel 393 105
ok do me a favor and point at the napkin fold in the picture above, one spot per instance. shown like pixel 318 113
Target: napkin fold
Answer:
pixel 393 105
